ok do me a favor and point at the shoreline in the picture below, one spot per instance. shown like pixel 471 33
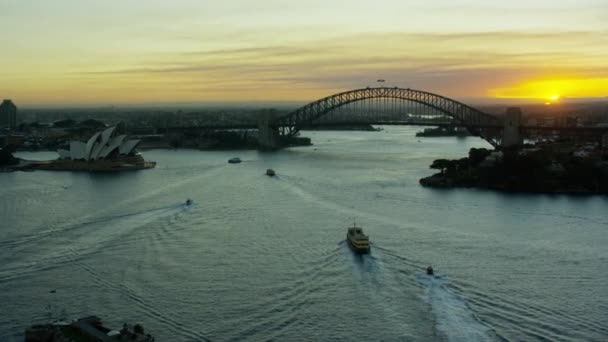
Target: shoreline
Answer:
pixel 428 183
pixel 541 169
pixel 129 163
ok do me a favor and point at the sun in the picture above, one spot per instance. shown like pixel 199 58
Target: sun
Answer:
pixel 554 97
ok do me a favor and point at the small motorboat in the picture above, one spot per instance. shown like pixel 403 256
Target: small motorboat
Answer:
pixel 429 271
pixel 270 173
pixel 358 241
pixel 234 160
pixel 188 201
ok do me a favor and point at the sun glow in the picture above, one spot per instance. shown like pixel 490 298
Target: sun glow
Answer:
pixel 554 90
pixel 192 51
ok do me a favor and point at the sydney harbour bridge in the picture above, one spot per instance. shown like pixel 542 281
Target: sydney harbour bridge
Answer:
pixel 393 106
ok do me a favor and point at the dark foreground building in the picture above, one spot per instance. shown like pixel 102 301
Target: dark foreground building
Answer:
pixel 8 114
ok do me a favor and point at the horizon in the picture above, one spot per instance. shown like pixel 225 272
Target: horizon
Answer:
pixel 476 102
pixel 90 53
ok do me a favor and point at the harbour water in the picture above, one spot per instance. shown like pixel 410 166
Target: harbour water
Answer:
pixel 264 258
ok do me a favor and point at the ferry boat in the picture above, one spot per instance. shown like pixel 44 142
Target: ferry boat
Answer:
pixel 234 160
pixel 358 241
pixel 270 172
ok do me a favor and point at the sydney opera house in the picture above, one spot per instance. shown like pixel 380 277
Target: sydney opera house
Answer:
pixel 104 151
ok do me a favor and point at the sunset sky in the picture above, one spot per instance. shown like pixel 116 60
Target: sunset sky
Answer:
pixel 73 52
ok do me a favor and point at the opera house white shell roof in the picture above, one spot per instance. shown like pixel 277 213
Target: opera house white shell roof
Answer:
pixel 101 145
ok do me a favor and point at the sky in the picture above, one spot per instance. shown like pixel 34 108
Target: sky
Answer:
pixel 115 52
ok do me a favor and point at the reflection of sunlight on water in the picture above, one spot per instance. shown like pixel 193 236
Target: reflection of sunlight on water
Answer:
pixel 453 317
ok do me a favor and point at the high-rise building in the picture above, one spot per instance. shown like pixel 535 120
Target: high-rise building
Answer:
pixel 8 114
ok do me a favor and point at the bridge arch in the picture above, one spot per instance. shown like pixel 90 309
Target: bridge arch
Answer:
pixel 474 120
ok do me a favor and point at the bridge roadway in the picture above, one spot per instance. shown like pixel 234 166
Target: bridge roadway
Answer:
pixel 523 128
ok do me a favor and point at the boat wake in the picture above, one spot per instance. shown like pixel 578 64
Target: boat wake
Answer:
pixel 454 318
pixel 67 244
pixel 41 235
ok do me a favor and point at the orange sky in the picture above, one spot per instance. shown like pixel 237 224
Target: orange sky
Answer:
pixel 65 52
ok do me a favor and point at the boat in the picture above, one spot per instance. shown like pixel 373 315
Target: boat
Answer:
pixel 188 201
pixel 357 240
pixel 234 160
pixel 270 172
pixel 430 271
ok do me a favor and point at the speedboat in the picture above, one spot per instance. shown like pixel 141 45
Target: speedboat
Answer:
pixel 270 172
pixel 188 201
pixel 358 241
pixel 234 160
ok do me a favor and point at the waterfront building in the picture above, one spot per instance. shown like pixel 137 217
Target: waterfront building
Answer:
pixel 8 114
pixel 104 151
pixel 105 144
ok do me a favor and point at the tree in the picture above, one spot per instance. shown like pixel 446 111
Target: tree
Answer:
pixel 92 123
pixel 441 164
pixel 67 123
pixel 477 155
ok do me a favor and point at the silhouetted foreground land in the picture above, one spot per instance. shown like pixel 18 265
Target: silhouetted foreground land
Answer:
pixel 86 329
pixel 549 168
pixel 6 156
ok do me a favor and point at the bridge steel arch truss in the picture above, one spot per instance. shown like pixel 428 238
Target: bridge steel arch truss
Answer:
pixel 476 121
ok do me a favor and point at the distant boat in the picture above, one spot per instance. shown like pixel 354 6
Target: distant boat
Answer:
pixel 270 172
pixel 188 201
pixel 234 160
pixel 358 241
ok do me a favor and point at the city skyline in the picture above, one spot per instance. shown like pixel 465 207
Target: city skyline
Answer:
pixel 134 52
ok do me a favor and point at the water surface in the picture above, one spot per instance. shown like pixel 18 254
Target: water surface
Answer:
pixel 260 258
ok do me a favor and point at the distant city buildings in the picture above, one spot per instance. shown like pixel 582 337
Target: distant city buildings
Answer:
pixel 572 121
pixel 12 139
pixel 8 114
pixel 553 121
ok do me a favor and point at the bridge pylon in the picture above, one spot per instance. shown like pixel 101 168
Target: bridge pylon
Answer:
pixel 511 135
pixel 268 136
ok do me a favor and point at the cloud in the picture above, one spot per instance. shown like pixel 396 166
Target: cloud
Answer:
pixel 461 65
